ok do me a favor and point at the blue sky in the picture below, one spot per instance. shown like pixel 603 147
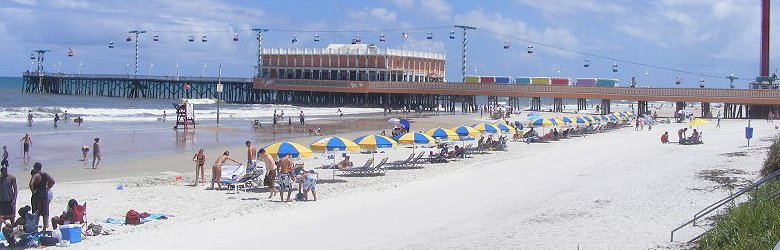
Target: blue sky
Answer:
pixel 711 37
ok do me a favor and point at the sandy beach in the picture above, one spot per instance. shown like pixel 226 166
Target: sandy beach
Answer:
pixel 616 190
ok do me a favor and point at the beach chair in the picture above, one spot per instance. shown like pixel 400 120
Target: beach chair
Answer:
pixel 244 181
pixel 402 162
pixel 378 169
pixel 353 170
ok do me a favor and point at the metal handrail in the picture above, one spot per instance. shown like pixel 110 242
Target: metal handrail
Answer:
pixel 712 207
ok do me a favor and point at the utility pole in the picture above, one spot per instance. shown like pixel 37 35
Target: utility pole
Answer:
pixel 463 58
pixel 219 89
pixel 259 51
pixel 136 32
pixel 731 79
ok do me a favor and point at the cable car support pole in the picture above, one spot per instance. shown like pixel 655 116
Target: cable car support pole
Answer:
pixel 463 58
pixel 136 32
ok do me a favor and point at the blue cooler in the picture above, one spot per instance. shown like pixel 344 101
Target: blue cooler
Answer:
pixel 71 232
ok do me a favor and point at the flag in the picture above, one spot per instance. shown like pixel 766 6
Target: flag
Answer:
pixel 404 35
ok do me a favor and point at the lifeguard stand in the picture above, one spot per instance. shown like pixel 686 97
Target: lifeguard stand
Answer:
pixel 185 115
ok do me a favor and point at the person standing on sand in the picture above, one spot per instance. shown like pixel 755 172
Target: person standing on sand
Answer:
pixel 270 174
pixel 29 118
pixel 719 116
pixel 681 135
pixel 56 119
pixel 96 154
pixel 216 169
pixel 164 115
pixel 4 162
pixel 251 157
pixel 84 151
pixel 8 194
pixel 302 120
pixel 26 143
pixel 285 177
pixel 40 185
pixel 200 160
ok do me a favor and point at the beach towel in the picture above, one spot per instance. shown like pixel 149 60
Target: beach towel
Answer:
pixel 122 221
pixel 229 171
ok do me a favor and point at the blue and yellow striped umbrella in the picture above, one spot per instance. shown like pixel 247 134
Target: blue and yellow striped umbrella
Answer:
pixel 568 120
pixel 604 118
pixel 557 122
pixel 541 122
pixel 466 131
pixel 375 142
pixel 486 128
pixel 587 118
pixel 596 118
pixel 335 143
pixel 442 133
pixel 280 149
pixel 581 121
pixel 414 138
pixel 613 118
pixel 503 127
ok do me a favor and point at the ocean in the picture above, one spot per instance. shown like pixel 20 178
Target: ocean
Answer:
pixel 130 128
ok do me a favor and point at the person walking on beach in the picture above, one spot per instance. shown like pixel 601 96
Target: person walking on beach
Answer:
pixel 341 114
pixel 216 169
pixel 8 193
pixel 164 115
pixel 285 177
pixel 4 162
pixel 40 185
pixel 29 118
pixel 251 157
pixel 718 124
pixel 26 143
pixel 200 160
pixel 769 117
pixel 56 119
pixel 270 174
pixel 65 116
pixel 96 154
pixel 301 118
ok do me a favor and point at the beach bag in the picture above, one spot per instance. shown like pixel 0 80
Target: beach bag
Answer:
pixel 132 218
pixel 30 223
pixel 299 197
pixel 48 241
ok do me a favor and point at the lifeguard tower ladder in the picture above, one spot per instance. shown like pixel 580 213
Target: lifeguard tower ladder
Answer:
pixel 185 116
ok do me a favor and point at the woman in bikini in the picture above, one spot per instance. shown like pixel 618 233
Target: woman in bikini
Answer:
pixel 216 169
pixel 200 160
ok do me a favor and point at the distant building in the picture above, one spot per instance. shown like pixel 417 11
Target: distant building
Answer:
pixel 353 62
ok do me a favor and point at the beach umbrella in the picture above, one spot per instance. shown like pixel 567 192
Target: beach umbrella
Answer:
pixel 582 121
pixel 557 122
pixel 442 133
pixel 394 121
pixel 503 127
pixel 613 118
pixel 568 120
pixel 518 125
pixel 466 131
pixel 586 118
pixel 334 143
pixel 405 124
pixel 280 149
pixel 697 122
pixel 596 118
pixel 541 122
pixel 375 142
pixel 486 128
pixel 414 138
pixel 604 118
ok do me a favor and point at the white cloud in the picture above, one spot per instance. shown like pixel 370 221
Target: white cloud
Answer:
pixel 25 2
pixel 500 25
pixel 568 7
pixel 69 4
pixel 403 4
pixel 439 9
pixel 373 14
pixel 436 46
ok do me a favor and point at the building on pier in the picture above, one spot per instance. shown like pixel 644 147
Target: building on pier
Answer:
pixel 352 62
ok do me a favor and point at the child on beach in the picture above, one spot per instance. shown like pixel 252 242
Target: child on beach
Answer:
pixel 200 160
pixel 84 151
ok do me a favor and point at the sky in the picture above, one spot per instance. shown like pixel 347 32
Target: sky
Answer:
pixel 697 39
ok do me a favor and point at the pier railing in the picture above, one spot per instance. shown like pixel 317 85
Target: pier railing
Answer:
pixel 729 199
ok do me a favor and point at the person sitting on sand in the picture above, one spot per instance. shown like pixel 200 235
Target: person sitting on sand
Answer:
pixel 18 228
pixel 517 136
pixel 665 137
pixel 216 169
pixel 694 139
